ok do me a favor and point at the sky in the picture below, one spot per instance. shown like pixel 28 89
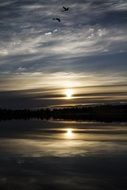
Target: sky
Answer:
pixel 40 58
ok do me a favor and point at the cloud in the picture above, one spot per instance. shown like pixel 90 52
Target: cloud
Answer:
pixel 91 39
pixel 48 33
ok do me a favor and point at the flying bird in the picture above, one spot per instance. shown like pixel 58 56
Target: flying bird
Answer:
pixel 58 19
pixel 65 8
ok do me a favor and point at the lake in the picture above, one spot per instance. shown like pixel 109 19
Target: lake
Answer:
pixel 59 155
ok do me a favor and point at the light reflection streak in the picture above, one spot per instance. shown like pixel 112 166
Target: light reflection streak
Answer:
pixel 68 140
pixel 69 133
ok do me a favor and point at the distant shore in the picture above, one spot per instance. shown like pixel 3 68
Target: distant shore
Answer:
pixel 104 113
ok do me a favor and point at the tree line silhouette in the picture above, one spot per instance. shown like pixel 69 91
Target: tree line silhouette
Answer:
pixel 98 113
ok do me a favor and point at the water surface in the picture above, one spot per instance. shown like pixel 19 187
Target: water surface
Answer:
pixel 37 154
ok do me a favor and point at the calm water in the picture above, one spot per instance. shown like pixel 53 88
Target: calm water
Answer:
pixel 37 155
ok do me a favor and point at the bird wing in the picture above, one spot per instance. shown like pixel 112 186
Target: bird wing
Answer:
pixel 58 19
pixel 64 8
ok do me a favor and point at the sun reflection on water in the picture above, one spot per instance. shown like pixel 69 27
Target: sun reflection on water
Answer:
pixel 69 133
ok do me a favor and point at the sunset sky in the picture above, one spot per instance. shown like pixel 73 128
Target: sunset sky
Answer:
pixel 41 58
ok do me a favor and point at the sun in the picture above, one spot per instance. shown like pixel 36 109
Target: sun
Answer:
pixel 68 93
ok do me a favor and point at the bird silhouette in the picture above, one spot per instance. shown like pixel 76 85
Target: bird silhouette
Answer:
pixel 58 19
pixel 65 8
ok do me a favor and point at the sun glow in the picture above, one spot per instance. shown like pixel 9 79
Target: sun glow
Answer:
pixel 69 93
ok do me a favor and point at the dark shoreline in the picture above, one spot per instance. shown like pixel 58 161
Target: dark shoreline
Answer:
pixel 102 113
